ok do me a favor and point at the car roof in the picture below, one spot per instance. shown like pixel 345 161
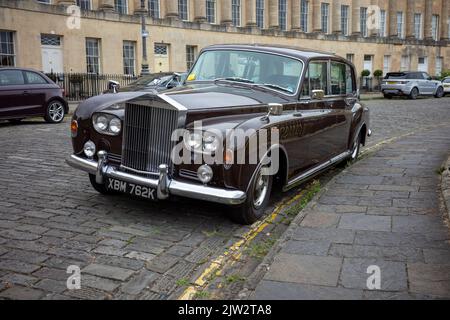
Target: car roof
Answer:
pixel 18 68
pixel 292 51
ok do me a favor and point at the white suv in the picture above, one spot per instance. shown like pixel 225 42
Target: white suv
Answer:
pixel 411 84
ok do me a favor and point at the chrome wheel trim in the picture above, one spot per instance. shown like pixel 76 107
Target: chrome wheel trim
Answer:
pixel 56 111
pixel 355 149
pixel 260 189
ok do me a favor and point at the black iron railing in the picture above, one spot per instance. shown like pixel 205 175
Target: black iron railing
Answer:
pixel 80 86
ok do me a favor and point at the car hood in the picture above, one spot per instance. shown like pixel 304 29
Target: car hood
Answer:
pixel 193 98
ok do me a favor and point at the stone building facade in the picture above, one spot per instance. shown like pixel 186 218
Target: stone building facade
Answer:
pixel 104 36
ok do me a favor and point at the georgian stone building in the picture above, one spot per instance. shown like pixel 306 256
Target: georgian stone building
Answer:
pixel 104 36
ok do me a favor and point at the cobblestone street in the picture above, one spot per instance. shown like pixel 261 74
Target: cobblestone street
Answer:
pixel 51 218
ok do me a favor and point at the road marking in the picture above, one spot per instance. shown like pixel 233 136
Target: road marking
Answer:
pixel 235 251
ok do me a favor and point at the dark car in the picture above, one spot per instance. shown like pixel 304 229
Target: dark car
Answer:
pixel 248 117
pixel 155 81
pixel 29 93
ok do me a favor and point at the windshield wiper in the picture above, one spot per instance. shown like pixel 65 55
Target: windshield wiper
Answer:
pixel 237 79
pixel 275 86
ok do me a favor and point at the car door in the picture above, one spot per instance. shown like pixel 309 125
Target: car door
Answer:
pixel 428 83
pixel 37 88
pixel 12 99
pixel 318 141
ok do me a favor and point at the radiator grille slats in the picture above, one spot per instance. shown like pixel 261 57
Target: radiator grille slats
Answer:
pixel 146 137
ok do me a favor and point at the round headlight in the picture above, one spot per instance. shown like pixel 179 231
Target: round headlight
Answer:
pixel 210 143
pixel 204 173
pixel 115 125
pixel 193 141
pixel 102 123
pixel 89 149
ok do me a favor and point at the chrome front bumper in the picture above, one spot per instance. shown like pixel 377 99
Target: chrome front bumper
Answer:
pixel 163 184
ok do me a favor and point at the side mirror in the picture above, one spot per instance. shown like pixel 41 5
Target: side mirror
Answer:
pixel 113 85
pixel 273 109
pixel 318 94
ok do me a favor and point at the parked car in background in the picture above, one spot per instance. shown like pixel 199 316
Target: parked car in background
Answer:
pixel 446 85
pixel 29 93
pixel 154 81
pixel 309 98
pixel 411 84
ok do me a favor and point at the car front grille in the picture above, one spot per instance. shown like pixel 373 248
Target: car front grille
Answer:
pixel 147 138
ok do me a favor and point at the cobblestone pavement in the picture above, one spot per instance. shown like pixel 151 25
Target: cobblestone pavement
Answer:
pixel 382 211
pixel 51 218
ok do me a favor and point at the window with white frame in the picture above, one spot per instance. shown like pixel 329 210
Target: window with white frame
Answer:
pixel 154 8
pixel 129 57
pixel 386 64
pixel 93 55
pixel 7 52
pixel 325 16
pixel 404 63
pixel 282 14
pixel 304 15
pixel 435 27
pixel 236 12
pixel 400 26
pixel 438 70
pixel 191 52
pixel 211 11
pixel 344 20
pixel 350 57
pixel 382 28
pixel 121 6
pixel 363 21
pixel 260 7
pixel 418 25
pixel 84 4
pixel 183 10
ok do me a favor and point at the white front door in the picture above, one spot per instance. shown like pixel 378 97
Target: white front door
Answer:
pixel 52 59
pixel 368 63
pixel 162 63
pixel 422 64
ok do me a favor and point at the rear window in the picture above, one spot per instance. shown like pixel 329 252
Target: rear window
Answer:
pixel 396 76
pixel 11 78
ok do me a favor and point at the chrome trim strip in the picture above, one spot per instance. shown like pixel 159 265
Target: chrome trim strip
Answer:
pixel 173 187
pixel 303 176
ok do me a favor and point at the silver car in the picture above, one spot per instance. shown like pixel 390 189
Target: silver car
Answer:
pixel 411 84
pixel 446 84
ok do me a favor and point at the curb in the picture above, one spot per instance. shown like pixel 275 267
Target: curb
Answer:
pixel 445 186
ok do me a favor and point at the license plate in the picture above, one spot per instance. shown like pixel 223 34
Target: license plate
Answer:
pixel 392 82
pixel 131 188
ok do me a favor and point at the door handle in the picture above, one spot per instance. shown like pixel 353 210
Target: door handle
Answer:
pixel 25 93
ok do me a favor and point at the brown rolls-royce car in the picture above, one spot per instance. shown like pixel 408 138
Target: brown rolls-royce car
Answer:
pixel 248 117
pixel 29 93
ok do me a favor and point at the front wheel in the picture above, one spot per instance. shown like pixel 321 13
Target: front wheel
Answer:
pixel 258 197
pixel 439 92
pixel 387 96
pixel 55 112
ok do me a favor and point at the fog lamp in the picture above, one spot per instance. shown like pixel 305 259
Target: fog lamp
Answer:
pixel 89 149
pixel 204 173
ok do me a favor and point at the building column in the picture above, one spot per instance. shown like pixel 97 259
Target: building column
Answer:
pixel 428 18
pixel 445 20
pixel 250 13
pixel 273 14
pixel 171 8
pixel 137 6
pixel 392 12
pixel 316 16
pixel 295 15
pixel 410 18
pixel 199 10
pixel 356 17
pixel 225 12
pixel 336 17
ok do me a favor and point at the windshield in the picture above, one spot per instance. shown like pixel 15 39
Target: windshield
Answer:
pixel 273 71
pixel 446 80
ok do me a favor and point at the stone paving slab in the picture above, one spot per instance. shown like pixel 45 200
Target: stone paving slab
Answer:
pixel 399 228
